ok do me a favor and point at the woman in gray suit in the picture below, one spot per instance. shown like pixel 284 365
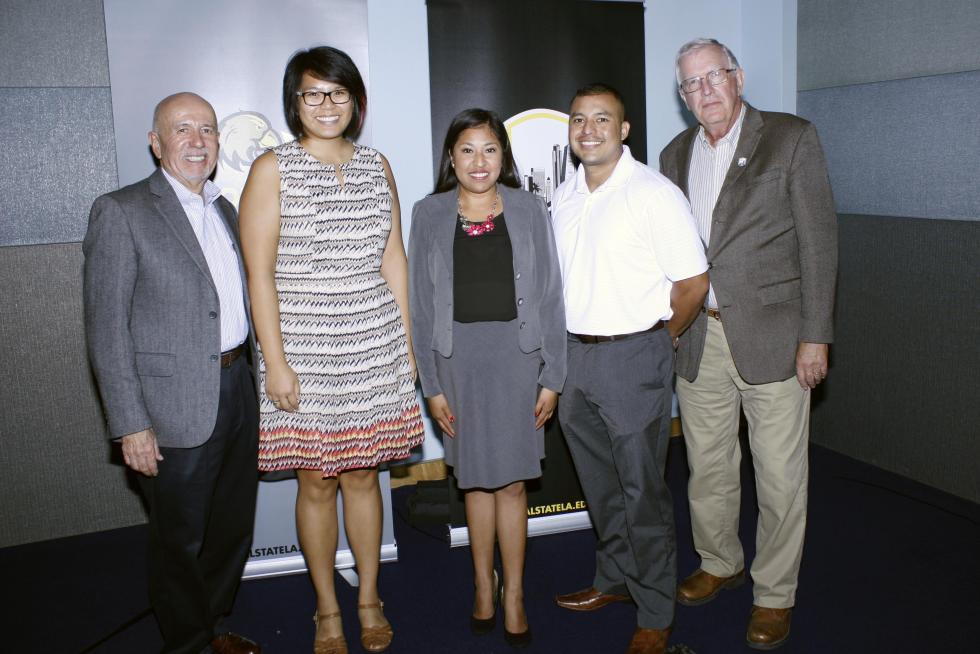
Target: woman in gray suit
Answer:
pixel 487 311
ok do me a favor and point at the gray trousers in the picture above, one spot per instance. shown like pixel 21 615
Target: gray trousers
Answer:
pixel 615 413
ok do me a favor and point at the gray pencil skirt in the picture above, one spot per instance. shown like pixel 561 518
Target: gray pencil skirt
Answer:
pixel 491 387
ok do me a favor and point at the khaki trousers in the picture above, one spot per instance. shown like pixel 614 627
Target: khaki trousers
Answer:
pixel 778 417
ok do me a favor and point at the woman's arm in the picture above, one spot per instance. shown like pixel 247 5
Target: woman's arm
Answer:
pixel 394 264
pixel 551 304
pixel 259 224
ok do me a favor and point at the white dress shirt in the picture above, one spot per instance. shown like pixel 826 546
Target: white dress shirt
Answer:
pixel 705 177
pixel 216 242
pixel 621 246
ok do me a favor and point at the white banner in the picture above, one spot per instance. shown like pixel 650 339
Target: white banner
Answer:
pixel 232 53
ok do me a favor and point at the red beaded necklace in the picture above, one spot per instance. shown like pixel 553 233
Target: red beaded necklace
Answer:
pixel 474 228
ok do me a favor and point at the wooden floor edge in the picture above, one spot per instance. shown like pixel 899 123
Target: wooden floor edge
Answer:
pixel 411 474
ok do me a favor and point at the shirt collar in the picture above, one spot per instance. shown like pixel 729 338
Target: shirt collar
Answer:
pixel 620 174
pixel 730 137
pixel 210 192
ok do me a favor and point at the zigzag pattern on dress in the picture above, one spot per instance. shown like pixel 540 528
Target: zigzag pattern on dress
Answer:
pixel 342 331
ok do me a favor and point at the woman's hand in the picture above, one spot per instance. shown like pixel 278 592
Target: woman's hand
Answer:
pixel 412 365
pixel 440 411
pixel 282 387
pixel 545 407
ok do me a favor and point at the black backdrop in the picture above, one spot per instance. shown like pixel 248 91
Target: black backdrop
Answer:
pixel 515 55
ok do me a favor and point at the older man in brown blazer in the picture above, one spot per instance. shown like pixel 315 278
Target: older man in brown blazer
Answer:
pixel 759 191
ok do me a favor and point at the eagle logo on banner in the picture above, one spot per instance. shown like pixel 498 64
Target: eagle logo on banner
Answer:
pixel 242 138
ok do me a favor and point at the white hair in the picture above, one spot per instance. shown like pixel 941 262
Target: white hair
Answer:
pixel 697 44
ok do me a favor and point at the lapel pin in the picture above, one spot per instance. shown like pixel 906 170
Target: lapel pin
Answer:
pixel 742 161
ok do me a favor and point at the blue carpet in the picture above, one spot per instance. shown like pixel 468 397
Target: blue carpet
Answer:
pixel 890 566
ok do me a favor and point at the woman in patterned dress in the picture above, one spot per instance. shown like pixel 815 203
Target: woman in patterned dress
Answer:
pixel 328 283
pixel 490 341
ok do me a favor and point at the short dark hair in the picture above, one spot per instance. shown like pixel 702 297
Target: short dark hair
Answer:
pixel 468 119
pixel 600 88
pixel 330 65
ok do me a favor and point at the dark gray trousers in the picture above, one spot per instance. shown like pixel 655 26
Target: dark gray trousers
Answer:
pixel 615 413
pixel 202 509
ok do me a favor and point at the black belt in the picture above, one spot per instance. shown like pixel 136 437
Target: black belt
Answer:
pixel 588 338
pixel 229 357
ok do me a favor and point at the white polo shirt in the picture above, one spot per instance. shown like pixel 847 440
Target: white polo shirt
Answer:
pixel 621 246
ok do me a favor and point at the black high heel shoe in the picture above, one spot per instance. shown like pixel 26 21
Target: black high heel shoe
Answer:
pixel 519 639
pixel 483 626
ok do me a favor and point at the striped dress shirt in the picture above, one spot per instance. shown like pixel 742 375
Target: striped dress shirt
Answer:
pixel 215 240
pixel 709 166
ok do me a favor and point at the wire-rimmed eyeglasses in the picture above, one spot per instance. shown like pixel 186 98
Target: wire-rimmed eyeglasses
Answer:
pixel 316 97
pixel 715 77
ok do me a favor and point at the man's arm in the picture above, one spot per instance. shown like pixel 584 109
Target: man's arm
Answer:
pixel 110 277
pixel 815 218
pixel 111 269
pixel 686 299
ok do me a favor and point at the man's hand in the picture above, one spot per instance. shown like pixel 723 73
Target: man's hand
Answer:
pixel 439 409
pixel 811 364
pixel 141 453
pixel 545 407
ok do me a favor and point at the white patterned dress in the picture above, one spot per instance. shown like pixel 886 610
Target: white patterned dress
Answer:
pixel 342 331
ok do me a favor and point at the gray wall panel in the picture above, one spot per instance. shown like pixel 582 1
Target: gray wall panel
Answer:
pixel 53 43
pixel 57 154
pixel 902 388
pixel 902 148
pixel 58 476
pixel 847 42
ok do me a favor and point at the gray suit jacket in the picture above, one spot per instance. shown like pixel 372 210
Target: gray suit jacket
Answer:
pixel 537 284
pixel 772 255
pixel 152 314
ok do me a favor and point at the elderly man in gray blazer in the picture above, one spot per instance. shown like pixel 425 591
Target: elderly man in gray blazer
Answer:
pixel 166 319
pixel 759 191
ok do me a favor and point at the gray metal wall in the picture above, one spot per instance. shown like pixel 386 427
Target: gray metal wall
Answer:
pixel 893 87
pixel 56 156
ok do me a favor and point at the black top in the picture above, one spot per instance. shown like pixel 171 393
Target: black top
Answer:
pixel 483 275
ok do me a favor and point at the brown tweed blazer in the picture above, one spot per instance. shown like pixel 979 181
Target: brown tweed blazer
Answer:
pixel 772 255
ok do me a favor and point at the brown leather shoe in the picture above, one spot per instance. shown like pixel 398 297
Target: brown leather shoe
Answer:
pixel 768 628
pixel 649 641
pixel 702 587
pixel 589 599
pixel 230 643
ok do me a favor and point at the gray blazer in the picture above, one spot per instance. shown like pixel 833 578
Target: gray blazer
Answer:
pixel 772 255
pixel 152 314
pixel 537 284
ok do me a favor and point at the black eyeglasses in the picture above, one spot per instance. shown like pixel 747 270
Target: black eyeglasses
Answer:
pixel 715 77
pixel 314 98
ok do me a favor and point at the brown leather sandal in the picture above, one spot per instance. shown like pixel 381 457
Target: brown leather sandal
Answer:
pixel 377 638
pixel 333 644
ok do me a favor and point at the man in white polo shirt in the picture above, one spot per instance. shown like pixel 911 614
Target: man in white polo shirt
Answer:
pixel 635 277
